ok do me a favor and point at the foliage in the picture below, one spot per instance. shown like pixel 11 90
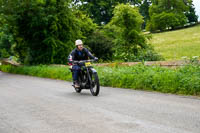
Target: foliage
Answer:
pixel 129 40
pixel 6 39
pixel 4 53
pixel 167 14
pixel 45 30
pixel 164 21
pixel 87 26
pixel 128 21
pixel 191 14
pixel 183 80
pixel 148 54
pixel 50 31
pixel 44 71
pixel 144 11
pixel 100 10
pixel 100 45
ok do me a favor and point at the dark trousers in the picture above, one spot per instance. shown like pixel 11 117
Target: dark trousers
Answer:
pixel 75 72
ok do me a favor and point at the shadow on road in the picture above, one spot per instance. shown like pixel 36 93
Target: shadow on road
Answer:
pixel 72 94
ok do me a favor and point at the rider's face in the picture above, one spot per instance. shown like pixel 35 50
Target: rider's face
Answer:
pixel 80 47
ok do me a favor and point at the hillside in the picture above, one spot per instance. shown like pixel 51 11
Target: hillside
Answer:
pixel 174 45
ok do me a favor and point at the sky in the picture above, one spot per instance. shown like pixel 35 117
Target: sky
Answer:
pixel 197 7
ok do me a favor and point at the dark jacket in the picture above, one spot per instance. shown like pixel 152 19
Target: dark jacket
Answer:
pixel 77 55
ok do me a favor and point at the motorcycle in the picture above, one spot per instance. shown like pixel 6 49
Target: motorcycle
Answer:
pixel 88 77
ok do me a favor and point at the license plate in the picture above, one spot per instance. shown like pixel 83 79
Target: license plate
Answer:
pixel 87 64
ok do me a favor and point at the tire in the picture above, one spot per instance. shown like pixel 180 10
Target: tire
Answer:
pixel 78 90
pixel 95 86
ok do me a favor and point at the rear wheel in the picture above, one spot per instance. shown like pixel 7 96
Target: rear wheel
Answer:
pixel 94 87
pixel 78 90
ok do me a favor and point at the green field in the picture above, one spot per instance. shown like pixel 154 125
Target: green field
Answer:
pixel 174 45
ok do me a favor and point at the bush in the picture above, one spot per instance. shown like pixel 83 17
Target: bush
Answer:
pixel 100 45
pixel 6 39
pixel 4 53
pixel 130 43
pixel 147 54
pixel 45 30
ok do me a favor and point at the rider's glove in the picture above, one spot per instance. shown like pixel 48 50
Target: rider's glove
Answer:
pixel 95 58
pixel 81 63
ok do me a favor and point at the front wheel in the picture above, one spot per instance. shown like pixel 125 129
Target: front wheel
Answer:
pixel 94 87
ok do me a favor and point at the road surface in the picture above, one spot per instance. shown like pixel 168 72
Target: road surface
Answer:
pixel 36 105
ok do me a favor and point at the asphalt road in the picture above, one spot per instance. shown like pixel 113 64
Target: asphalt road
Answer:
pixel 37 105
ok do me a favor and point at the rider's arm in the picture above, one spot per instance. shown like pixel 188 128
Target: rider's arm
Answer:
pixel 71 57
pixel 89 54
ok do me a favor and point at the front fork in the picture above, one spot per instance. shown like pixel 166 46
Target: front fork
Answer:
pixel 91 71
pixel 89 77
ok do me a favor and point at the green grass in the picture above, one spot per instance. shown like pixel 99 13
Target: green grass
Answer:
pixel 174 45
pixel 184 80
pixel 53 72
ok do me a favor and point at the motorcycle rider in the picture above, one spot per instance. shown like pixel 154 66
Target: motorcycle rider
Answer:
pixel 78 54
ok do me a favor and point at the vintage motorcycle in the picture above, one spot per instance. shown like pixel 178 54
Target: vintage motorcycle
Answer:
pixel 88 77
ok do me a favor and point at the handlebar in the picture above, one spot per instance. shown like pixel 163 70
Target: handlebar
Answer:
pixel 83 61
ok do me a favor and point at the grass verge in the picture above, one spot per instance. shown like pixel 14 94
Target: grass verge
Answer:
pixel 184 80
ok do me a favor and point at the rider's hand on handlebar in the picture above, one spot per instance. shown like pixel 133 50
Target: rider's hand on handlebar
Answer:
pixel 80 63
pixel 75 62
pixel 96 59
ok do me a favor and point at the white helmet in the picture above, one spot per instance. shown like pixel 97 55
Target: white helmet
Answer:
pixel 78 42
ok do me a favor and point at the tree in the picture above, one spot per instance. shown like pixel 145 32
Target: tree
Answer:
pixel 127 21
pixel 45 30
pixel 125 29
pixel 48 30
pixel 6 38
pixel 100 10
pixel 167 14
pixel 166 20
pixel 86 24
pixel 6 41
pixel 191 14
pixel 100 45
pixel 144 11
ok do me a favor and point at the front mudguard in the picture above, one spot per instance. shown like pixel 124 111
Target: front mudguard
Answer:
pixel 92 70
